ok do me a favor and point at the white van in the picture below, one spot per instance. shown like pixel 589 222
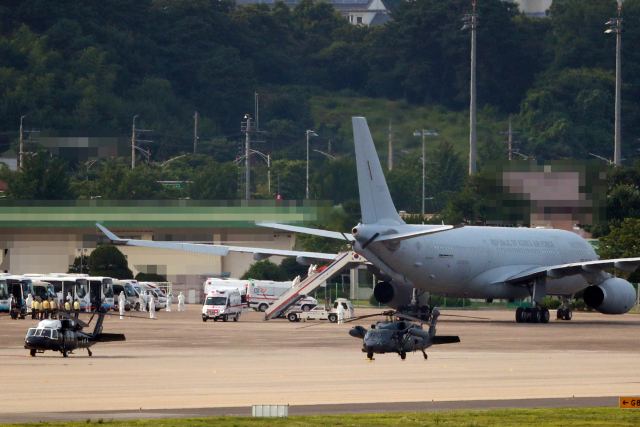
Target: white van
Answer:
pixel 222 304
pixel 130 292
pixel 261 293
pixel 158 297
pixel 214 283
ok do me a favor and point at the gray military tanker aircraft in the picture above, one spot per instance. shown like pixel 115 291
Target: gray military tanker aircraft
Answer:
pixel 463 261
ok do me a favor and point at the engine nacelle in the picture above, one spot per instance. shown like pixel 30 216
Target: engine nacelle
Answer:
pixel 392 295
pixel 613 296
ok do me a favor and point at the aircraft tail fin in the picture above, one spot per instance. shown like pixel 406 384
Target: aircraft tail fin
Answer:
pixel 375 200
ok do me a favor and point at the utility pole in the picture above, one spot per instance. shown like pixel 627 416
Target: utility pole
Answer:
pixel 309 133
pixel 424 133
pixel 248 159
pixel 471 22
pixel 390 161
pixel 257 117
pixel 195 133
pixel 615 27
pixel 510 134
pixel 20 154
pixel 133 143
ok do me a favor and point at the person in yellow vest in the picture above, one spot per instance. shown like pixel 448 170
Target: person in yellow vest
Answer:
pixel 67 306
pixel 45 308
pixel 39 309
pixel 54 308
pixel 76 307
pixel 34 309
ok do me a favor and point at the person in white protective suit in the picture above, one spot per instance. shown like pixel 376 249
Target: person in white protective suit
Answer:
pixel 29 302
pixel 152 306
pixel 70 299
pixel 87 301
pixel 312 270
pixel 180 302
pixel 121 302
pixel 169 301
pixel 296 281
pixel 340 313
pixel 143 302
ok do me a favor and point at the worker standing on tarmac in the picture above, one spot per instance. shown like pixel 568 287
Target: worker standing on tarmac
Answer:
pixel 70 300
pixel 76 307
pixel 340 313
pixel 29 303
pixel 45 308
pixel 169 301
pixel 67 306
pixel 152 306
pixel 143 302
pixel 121 302
pixel 180 302
pixel 54 308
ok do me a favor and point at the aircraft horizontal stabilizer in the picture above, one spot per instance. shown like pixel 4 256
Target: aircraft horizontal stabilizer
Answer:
pixel 102 337
pixel 258 253
pixel 411 235
pixel 305 230
pixel 445 339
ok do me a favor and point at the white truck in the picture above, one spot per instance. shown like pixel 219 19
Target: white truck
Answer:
pixel 261 293
pixel 214 283
pixel 222 304
pixel 320 313
pixel 158 296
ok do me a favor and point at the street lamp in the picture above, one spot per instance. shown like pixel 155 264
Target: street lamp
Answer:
pixel 424 133
pixel 325 154
pixel 89 164
pixel 471 22
pixel 615 27
pixel 82 252
pixel 21 118
pixel 171 160
pixel 309 133
pixel 133 143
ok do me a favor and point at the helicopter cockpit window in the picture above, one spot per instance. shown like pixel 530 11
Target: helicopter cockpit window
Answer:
pixel 31 332
pixel 54 334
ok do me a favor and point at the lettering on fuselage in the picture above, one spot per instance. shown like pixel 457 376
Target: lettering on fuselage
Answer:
pixel 523 243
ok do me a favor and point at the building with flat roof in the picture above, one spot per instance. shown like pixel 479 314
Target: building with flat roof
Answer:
pixel 44 237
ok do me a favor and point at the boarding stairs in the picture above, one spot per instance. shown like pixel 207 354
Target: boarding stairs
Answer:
pixel 311 283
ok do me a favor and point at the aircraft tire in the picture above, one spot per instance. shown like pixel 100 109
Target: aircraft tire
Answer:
pixel 520 315
pixel 333 318
pixel 403 355
pixel 544 315
pixel 535 315
pixel 560 314
pixel 568 314
pixel 65 353
pixel 32 352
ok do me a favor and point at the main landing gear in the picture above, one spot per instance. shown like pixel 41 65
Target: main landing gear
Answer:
pixel 564 312
pixel 535 313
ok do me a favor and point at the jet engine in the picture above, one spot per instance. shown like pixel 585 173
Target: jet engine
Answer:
pixel 392 295
pixel 613 296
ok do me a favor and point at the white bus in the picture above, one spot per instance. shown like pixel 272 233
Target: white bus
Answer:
pixel 65 284
pixel 101 291
pixel 4 295
pixel 18 286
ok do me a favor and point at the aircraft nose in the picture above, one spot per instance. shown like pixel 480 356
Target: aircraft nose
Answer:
pixel 34 341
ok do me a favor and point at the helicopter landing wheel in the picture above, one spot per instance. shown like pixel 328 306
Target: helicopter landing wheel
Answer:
pixel 403 355
pixel 32 352
pixel 90 353
pixel 370 355
pixel 425 355
pixel 65 353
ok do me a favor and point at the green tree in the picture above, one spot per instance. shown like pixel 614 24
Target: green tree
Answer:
pixel 107 260
pixel 292 175
pixel 150 277
pixel 40 178
pixel 77 263
pixel 215 182
pixel 291 268
pixel 622 242
pixel 265 270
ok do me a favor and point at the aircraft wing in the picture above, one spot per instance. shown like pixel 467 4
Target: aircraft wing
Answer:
pixel 586 267
pixel 258 253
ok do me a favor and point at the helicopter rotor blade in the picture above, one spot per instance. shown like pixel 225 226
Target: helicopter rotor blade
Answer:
pixel 75 319
pixel 445 339
pixel 411 318
pixel 384 313
pixel 468 317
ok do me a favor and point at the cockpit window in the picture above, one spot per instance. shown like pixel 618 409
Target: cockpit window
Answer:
pixel 31 332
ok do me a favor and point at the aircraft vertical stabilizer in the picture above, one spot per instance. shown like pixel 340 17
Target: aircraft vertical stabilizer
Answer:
pixel 375 200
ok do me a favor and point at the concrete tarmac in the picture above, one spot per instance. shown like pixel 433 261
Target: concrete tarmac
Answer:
pixel 179 366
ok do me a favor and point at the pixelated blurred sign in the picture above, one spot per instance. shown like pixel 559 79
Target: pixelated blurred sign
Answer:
pixel 630 403
pixel 560 194
pixel 84 145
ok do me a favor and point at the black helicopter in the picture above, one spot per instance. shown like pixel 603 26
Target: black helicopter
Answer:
pixel 400 336
pixel 66 334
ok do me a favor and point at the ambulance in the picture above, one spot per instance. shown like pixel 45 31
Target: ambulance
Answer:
pixel 214 283
pixel 262 293
pixel 222 304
